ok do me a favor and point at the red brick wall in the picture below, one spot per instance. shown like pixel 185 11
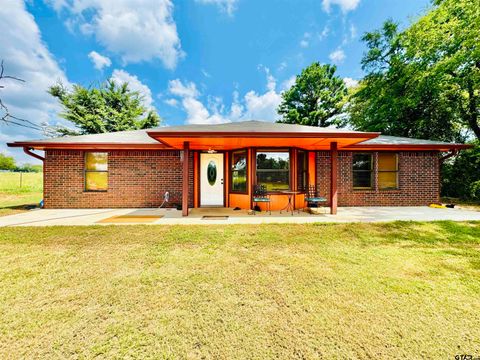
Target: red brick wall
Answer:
pixel 418 179
pixel 135 179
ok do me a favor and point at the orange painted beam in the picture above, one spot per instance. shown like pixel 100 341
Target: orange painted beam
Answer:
pixel 196 179
pixel 312 168
pixel 333 178
pixel 186 155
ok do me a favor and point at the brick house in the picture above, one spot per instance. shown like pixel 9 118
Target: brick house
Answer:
pixel 218 165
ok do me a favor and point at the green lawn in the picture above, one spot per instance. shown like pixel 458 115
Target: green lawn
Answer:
pixel 19 190
pixel 395 290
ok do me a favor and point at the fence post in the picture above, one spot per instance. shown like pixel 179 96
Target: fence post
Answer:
pixel 21 175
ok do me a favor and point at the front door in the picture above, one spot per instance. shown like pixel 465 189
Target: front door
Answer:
pixel 211 179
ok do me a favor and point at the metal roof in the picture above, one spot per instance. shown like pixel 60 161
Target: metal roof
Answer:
pixel 148 138
pixel 251 126
pixel 120 137
pixel 396 140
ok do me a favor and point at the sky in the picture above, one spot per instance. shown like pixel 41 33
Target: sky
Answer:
pixel 194 61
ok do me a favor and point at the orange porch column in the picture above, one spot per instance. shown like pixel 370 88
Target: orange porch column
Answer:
pixel 186 156
pixel 333 178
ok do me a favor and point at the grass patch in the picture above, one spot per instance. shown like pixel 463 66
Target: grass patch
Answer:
pixel 19 191
pixel 395 290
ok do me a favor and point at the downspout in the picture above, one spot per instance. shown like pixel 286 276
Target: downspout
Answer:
pixel 28 151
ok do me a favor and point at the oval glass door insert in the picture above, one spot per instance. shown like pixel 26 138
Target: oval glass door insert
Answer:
pixel 211 173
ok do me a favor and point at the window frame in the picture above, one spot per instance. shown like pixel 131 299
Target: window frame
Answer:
pixel 85 171
pixel 232 191
pixel 397 185
pixel 273 150
pixel 371 171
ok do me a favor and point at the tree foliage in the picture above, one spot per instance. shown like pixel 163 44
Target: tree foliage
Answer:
pixel 461 175
pixel 7 162
pixel 315 98
pixel 108 108
pixel 422 82
pixel 446 44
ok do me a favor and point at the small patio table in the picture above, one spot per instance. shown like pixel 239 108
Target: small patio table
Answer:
pixel 289 206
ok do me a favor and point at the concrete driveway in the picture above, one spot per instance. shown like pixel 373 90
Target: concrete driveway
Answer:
pixel 49 217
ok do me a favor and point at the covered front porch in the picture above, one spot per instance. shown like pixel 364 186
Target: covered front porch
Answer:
pixel 229 165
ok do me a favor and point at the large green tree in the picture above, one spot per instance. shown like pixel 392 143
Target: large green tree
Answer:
pixel 423 81
pixel 315 98
pixel 108 108
pixel 395 98
pixel 7 162
pixel 446 45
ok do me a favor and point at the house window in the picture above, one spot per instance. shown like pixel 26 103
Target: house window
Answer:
pixel 387 171
pixel 96 171
pixel 362 171
pixel 273 170
pixel 302 170
pixel 239 172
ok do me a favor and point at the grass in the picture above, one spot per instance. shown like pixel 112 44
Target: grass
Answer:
pixel 15 198
pixel 395 290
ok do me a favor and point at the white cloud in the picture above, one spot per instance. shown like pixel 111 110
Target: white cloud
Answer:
pixel 172 102
pixel 134 84
pixel 27 57
pixel 262 106
pixel 99 61
pixel 350 83
pixel 325 32
pixel 305 40
pixel 136 30
pixel 345 5
pixel 282 66
pixel 353 31
pixel 287 84
pixel 337 56
pixel 197 113
pixel 254 105
pixel 227 6
pixel 176 87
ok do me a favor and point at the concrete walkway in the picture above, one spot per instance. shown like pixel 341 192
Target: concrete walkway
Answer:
pixel 48 217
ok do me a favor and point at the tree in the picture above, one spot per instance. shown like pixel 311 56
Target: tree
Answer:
pixel 461 175
pixel 108 108
pixel 445 42
pixel 424 81
pixel 315 98
pixel 7 162
pixel 396 98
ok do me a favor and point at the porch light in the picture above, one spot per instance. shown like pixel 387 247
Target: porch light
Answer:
pixel 211 151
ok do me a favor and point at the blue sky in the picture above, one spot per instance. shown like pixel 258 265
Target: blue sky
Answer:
pixel 195 61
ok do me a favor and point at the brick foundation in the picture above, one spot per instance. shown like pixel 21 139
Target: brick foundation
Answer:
pixel 418 179
pixel 135 179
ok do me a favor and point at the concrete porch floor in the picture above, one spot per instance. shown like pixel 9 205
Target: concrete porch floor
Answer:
pixel 49 217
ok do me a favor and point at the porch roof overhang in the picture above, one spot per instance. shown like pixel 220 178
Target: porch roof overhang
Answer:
pixel 229 141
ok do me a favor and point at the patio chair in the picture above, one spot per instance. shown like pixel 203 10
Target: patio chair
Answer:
pixel 260 195
pixel 312 196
